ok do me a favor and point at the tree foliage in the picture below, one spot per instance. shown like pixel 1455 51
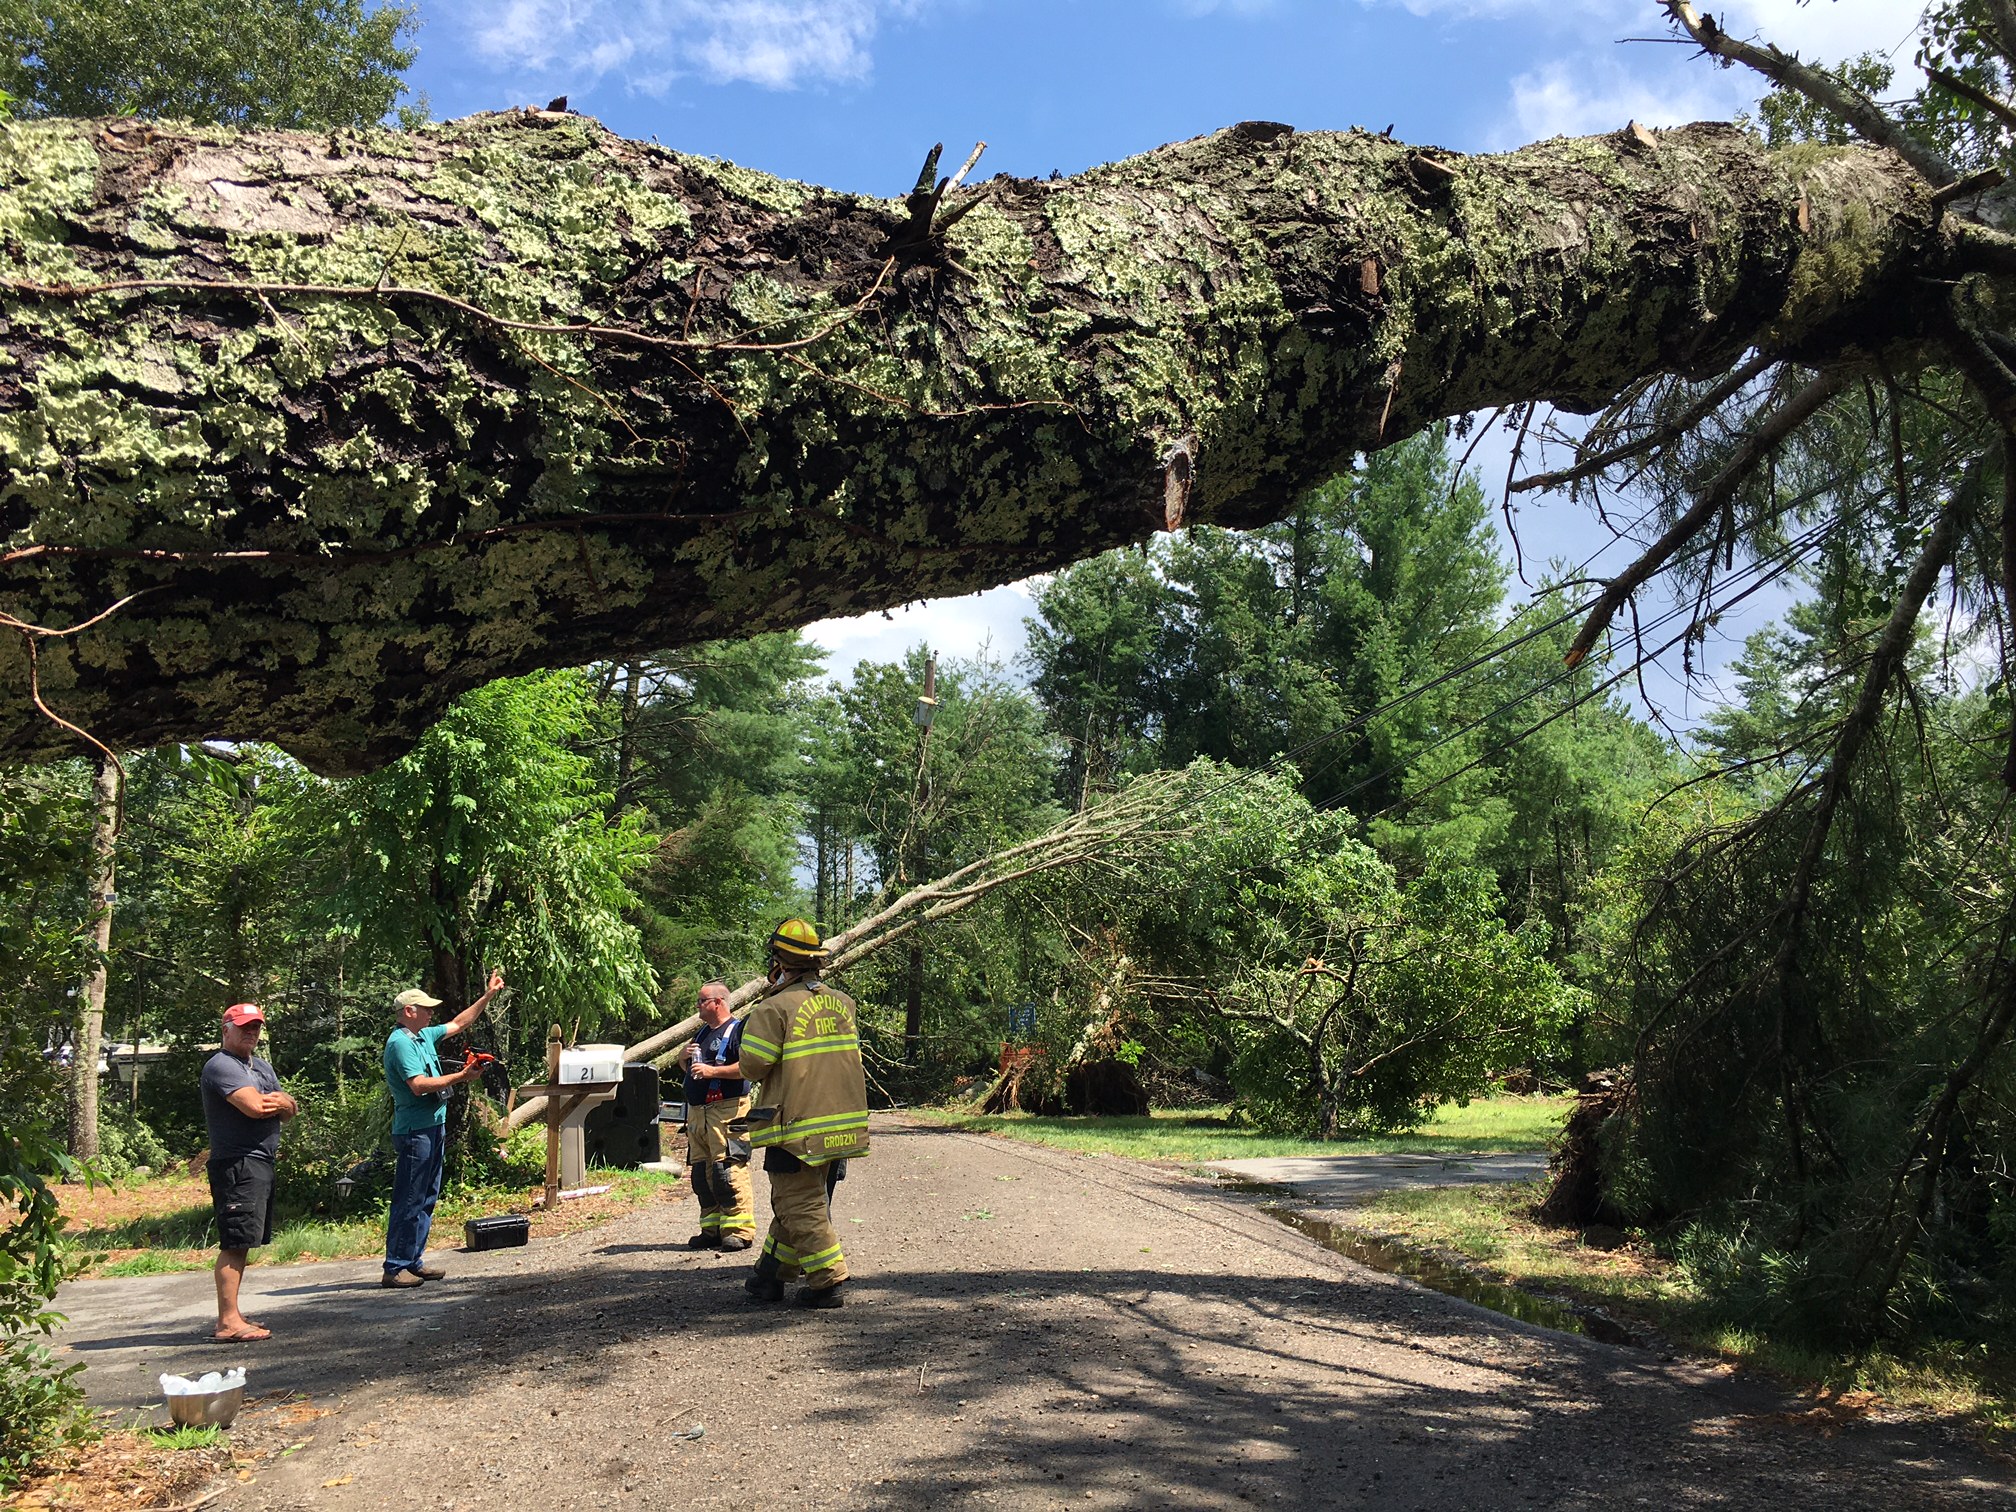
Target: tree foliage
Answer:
pixel 492 846
pixel 1414 844
pixel 43 817
pixel 1242 646
pixel 1362 641
pixel 299 64
pixel 922 806
pixel 710 753
pixel 1260 939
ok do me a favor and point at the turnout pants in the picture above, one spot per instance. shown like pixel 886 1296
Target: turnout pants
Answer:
pixel 721 1186
pixel 802 1239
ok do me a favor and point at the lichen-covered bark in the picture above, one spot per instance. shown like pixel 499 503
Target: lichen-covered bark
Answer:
pixel 341 508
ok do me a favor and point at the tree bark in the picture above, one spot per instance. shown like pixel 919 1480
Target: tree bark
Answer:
pixel 366 419
pixel 913 1005
pixel 450 979
pixel 107 791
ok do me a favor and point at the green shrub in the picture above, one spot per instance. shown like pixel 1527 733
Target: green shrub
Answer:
pixel 126 1144
pixel 480 1162
pixel 335 1130
pixel 43 822
pixel 41 1407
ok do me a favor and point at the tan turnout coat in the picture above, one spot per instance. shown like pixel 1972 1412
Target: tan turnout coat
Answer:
pixel 800 1042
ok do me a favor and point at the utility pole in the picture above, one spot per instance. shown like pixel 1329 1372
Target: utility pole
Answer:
pixel 912 865
pixel 626 738
pixel 822 872
pixel 107 793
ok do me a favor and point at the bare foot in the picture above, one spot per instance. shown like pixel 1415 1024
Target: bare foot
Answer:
pixel 243 1333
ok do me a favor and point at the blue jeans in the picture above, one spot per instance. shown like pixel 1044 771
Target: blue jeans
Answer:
pixel 416 1185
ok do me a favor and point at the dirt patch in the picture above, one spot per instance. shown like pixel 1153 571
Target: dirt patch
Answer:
pixel 99 1209
pixel 127 1469
pixel 105 1204
pixel 123 1471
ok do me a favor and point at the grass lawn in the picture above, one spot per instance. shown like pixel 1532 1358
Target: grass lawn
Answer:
pixel 144 1228
pixel 1491 1228
pixel 1493 1125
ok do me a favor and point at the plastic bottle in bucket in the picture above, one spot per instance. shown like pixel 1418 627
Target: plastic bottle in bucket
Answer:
pixel 210 1401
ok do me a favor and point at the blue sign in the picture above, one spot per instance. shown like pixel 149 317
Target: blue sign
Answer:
pixel 1022 1019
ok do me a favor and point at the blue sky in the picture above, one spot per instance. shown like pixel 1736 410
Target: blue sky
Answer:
pixel 850 94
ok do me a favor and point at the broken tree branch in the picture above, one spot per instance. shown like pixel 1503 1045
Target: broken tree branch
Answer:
pixel 1819 86
pixel 1759 444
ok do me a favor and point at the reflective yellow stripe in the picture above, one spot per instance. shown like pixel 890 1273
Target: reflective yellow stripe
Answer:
pixel 773 1246
pixel 857 1119
pixel 765 1050
pixel 778 1133
pixel 829 1044
pixel 822 1260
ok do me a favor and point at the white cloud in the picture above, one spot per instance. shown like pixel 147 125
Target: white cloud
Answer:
pixel 779 44
pixel 953 627
pixel 1826 31
pixel 775 43
pixel 1567 12
pixel 1592 85
pixel 1230 7
pixel 523 32
pixel 1590 95
pixel 1595 86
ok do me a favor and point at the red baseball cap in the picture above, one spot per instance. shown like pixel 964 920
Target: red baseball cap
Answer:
pixel 238 1015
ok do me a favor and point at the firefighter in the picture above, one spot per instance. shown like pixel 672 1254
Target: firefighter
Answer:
pixel 799 1041
pixel 716 1095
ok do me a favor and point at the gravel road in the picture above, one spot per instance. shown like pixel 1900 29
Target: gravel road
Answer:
pixel 1027 1328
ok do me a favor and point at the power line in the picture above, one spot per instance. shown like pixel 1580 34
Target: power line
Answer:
pixel 1791 554
pixel 1784 558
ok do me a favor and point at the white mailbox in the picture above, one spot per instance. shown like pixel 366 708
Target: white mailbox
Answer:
pixel 591 1063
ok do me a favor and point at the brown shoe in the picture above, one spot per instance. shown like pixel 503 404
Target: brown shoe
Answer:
pixel 430 1273
pixel 400 1279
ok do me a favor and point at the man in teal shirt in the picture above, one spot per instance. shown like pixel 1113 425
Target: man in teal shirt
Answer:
pixel 420 1125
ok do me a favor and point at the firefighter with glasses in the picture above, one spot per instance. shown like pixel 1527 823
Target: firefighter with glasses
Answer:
pixel 716 1096
pixel 800 1042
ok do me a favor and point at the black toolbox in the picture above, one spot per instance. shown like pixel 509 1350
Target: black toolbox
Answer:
pixel 506 1231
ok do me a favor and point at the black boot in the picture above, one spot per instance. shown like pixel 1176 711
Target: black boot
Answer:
pixel 764 1284
pixel 704 1194
pixel 821 1296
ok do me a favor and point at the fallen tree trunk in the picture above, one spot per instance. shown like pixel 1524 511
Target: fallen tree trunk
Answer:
pixel 1101 836
pixel 346 423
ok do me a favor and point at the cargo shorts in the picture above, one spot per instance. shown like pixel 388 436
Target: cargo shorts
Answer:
pixel 241 1194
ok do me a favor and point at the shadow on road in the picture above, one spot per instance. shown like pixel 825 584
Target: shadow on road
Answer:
pixel 1207 1388
pixel 1029 1327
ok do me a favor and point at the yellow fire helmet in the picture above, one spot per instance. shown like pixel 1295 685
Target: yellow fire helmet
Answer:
pixel 797 942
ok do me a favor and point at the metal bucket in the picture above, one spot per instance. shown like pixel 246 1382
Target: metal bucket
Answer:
pixel 211 1409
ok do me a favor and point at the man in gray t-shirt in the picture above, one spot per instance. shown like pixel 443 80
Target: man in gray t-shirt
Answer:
pixel 243 1107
